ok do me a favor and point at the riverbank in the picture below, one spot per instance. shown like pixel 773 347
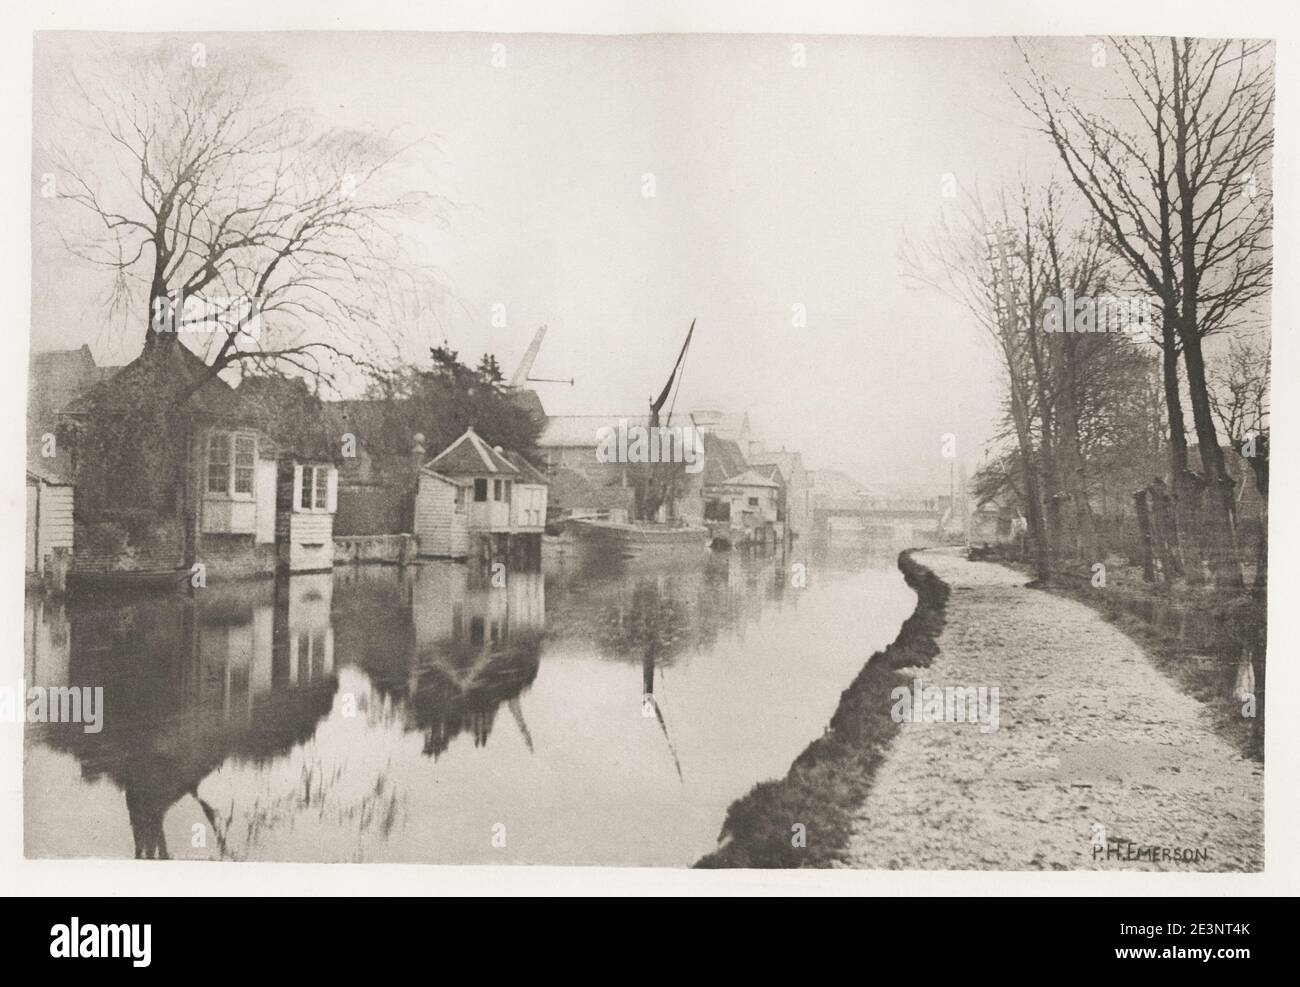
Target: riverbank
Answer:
pixel 829 781
pixel 1098 761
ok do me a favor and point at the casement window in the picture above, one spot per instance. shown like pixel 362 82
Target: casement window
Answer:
pixel 480 490
pixel 219 462
pixel 496 490
pixel 753 501
pixel 232 460
pixel 314 495
pixel 460 500
pixel 245 461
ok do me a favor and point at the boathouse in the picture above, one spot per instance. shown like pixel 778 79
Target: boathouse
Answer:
pixel 504 505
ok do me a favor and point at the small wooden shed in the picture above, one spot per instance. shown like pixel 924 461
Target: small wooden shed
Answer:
pixel 49 518
pixel 441 517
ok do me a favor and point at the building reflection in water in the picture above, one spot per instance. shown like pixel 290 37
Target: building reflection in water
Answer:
pixel 239 671
pixel 280 706
pixel 445 644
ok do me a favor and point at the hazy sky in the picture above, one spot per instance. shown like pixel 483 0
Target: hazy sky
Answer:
pixel 776 185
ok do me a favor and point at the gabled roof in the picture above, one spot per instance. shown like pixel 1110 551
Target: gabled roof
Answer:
pixel 53 476
pixel 726 425
pixel 425 471
pixel 770 471
pixel 470 456
pixel 749 478
pixel 165 369
pixel 722 458
pixel 528 473
pixel 837 483
pixel 58 376
pixel 790 462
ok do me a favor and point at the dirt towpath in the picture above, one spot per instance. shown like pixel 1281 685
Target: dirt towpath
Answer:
pixel 1092 744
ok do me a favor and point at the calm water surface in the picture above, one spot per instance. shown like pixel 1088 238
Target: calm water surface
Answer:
pixel 587 714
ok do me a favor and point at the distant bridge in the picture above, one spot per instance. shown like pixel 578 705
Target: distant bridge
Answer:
pixel 884 516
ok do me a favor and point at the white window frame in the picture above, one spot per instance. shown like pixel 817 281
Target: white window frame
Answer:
pixel 317 491
pixel 232 439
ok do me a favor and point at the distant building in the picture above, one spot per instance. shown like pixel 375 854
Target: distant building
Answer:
pixel 996 520
pixel 573 495
pixel 744 509
pixel 731 427
pixel 723 458
pixel 570 441
pixel 580 484
pixel 836 484
pixel 797 492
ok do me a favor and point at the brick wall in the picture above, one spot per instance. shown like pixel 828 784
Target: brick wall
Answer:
pixel 373 509
pixel 235 555
pixel 120 546
pixel 127 545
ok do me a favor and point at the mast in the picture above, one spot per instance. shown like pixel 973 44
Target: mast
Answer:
pixel 654 493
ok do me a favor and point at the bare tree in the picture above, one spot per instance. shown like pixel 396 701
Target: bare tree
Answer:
pixel 218 210
pixel 1239 394
pixel 1175 167
pixel 973 259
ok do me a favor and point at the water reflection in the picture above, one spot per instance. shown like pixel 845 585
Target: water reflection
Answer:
pixel 596 714
pixel 442 645
pixel 236 672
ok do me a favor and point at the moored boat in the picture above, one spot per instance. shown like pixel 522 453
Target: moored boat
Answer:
pixel 633 538
pixel 656 527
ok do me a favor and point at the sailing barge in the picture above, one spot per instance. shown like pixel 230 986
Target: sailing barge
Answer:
pixel 654 527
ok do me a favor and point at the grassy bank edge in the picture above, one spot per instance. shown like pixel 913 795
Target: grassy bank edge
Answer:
pixel 829 781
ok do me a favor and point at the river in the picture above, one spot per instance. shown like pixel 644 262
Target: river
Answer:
pixel 586 714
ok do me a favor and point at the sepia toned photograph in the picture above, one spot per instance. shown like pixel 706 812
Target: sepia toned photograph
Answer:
pixel 706 451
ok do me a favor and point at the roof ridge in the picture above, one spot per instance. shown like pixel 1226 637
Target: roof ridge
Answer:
pixel 450 448
pixel 480 447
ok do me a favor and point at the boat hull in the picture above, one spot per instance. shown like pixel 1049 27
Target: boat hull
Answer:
pixel 631 540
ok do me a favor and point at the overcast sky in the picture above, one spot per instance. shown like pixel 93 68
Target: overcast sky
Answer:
pixel 775 185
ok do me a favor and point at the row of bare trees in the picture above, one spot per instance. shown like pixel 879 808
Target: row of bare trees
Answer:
pixel 1161 195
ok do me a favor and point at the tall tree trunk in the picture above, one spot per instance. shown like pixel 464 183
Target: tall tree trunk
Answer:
pixel 1224 560
pixel 1185 496
pixel 1222 508
pixel 1029 468
pixel 1071 457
